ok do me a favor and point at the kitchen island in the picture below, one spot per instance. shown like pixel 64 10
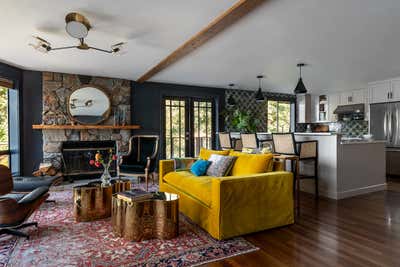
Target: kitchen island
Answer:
pixel 346 168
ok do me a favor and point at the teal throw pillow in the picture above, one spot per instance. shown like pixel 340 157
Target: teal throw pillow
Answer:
pixel 199 168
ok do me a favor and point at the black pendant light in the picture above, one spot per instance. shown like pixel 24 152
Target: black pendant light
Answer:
pixel 259 95
pixel 300 88
pixel 231 101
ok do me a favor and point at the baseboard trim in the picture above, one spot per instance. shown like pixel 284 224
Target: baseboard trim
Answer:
pixel 361 191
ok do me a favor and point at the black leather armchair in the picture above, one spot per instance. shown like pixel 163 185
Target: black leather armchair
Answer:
pixel 141 158
pixel 16 208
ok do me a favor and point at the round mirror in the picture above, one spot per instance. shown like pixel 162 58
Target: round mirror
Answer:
pixel 89 105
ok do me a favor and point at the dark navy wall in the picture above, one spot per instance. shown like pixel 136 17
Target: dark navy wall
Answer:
pixel 31 140
pixel 147 99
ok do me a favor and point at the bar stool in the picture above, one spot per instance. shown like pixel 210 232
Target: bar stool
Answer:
pixel 225 141
pixel 284 143
pixel 249 141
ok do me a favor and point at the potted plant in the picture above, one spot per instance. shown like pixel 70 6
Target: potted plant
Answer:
pixel 243 121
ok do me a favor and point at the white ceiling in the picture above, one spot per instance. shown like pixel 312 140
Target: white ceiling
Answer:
pixel 346 42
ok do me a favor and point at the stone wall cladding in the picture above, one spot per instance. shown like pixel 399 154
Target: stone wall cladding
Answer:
pixel 56 89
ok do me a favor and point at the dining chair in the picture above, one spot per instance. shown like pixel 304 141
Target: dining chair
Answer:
pixel 225 141
pixel 285 144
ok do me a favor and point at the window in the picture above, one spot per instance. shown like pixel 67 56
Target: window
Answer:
pixel 279 116
pixel 4 144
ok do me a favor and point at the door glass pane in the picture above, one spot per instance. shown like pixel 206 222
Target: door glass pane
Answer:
pixel 202 125
pixel 175 146
pixel 4 146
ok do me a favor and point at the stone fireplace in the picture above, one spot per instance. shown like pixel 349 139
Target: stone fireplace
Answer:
pixel 56 89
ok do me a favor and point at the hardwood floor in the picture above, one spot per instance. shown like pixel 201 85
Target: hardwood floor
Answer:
pixel 360 231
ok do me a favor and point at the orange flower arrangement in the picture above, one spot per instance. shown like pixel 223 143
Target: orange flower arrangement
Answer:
pixel 99 161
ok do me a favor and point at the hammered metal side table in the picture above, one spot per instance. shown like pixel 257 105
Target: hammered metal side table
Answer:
pixel 141 220
pixel 93 202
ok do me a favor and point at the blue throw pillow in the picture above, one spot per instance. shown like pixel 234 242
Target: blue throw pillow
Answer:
pixel 199 168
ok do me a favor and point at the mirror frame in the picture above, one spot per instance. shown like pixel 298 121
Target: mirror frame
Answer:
pixel 107 113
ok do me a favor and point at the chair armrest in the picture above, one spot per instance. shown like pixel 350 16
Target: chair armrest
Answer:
pixel 34 195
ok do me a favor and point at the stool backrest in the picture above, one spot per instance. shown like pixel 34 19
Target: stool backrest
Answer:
pixel 249 140
pixel 225 140
pixel 284 143
pixel 308 149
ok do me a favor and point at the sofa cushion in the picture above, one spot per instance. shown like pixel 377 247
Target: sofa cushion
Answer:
pixel 198 187
pixel 251 163
pixel 199 168
pixel 206 153
pixel 220 165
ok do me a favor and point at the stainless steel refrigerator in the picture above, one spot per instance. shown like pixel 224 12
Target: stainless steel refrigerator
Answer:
pixel 385 125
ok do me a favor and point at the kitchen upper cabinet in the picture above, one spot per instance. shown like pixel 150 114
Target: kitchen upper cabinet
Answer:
pixel 353 97
pixel 381 92
pixel 303 108
pixel 333 102
pixel 360 96
pixel 395 90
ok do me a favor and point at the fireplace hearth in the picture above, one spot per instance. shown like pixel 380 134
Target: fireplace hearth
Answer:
pixel 77 154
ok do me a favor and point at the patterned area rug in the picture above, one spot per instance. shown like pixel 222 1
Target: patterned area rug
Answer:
pixel 60 241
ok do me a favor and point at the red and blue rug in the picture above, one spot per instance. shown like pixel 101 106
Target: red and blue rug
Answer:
pixel 60 241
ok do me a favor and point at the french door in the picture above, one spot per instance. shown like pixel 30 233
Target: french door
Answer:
pixel 188 125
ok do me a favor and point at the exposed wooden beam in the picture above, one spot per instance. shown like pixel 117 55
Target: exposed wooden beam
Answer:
pixel 224 20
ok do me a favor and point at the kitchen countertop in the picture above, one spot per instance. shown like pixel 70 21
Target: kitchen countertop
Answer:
pixel 314 133
pixel 357 142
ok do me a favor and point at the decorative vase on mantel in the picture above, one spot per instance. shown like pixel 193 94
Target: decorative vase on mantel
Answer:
pixel 105 162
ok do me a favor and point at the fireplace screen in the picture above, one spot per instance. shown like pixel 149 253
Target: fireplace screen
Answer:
pixel 77 154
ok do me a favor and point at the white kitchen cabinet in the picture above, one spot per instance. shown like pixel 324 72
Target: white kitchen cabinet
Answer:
pixel 395 88
pixel 353 97
pixel 333 102
pixel 346 98
pixel 380 92
pixel 359 96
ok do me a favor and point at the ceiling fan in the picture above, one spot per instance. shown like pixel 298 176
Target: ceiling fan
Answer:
pixel 77 26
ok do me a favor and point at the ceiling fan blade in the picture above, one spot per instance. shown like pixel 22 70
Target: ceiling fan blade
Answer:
pixel 51 29
pixel 118 44
pixel 41 40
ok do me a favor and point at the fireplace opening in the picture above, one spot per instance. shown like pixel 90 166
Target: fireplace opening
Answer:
pixel 77 154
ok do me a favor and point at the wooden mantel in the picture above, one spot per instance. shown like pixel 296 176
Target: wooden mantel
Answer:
pixel 84 127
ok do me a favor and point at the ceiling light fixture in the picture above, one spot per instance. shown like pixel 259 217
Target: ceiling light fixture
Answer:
pixel 300 88
pixel 259 95
pixel 77 26
pixel 231 101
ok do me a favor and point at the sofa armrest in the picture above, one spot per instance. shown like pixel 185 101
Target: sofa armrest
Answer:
pixel 165 166
pixel 254 199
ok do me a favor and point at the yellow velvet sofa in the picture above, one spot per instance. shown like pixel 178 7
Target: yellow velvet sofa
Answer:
pixel 233 205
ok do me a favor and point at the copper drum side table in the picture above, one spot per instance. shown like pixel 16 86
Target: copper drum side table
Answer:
pixel 93 202
pixel 141 220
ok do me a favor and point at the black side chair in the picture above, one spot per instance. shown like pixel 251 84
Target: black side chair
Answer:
pixel 141 158
pixel 16 208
